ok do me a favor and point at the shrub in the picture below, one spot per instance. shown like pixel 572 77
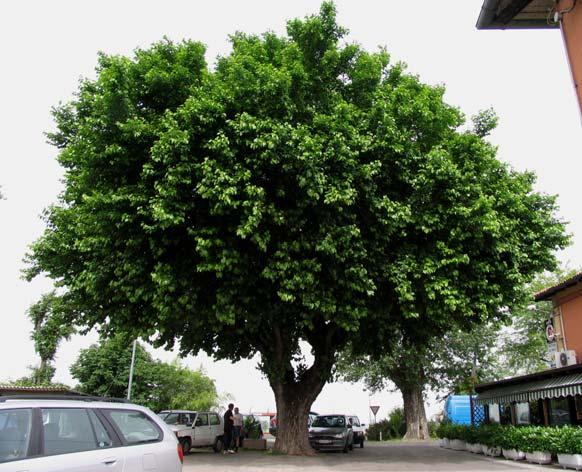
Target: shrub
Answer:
pixel 569 440
pixel 392 428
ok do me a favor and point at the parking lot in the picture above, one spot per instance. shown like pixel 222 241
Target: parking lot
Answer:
pixel 387 456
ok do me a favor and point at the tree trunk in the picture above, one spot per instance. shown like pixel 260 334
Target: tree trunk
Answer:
pixel 293 408
pixel 295 391
pixel 414 413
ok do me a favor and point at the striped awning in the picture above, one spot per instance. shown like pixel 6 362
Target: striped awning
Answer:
pixel 548 388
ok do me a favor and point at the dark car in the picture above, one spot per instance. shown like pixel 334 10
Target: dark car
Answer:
pixel 331 432
pixel 275 423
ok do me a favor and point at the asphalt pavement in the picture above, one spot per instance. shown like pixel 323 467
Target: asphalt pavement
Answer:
pixel 387 456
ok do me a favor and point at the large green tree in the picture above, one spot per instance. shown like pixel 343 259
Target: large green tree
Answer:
pixel 103 369
pixel 302 189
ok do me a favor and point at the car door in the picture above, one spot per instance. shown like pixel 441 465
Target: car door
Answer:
pixel 142 440
pixel 202 431
pixel 216 428
pixel 74 440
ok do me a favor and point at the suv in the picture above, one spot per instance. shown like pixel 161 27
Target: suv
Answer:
pixel 83 434
pixel 195 428
pixel 359 430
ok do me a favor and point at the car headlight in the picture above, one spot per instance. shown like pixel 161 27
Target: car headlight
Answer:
pixel 338 436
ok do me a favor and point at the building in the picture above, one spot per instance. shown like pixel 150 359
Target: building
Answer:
pixel 565 15
pixel 552 397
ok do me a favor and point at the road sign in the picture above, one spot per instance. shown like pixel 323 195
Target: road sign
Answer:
pixel 374 409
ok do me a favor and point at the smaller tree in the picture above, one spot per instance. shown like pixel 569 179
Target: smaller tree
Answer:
pixel 103 369
pixel 50 327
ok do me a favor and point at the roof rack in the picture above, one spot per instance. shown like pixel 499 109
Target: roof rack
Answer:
pixel 81 397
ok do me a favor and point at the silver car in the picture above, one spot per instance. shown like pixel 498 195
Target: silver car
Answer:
pixel 331 432
pixel 84 434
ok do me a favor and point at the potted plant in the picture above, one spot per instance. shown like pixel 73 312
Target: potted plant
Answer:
pixel 539 443
pixel 253 435
pixel 511 441
pixel 569 446
pixel 442 433
pixel 457 436
pixel 471 437
pixel 491 439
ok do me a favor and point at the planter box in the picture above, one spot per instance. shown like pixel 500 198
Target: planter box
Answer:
pixel 475 448
pixel 255 444
pixel 539 457
pixel 458 445
pixel 573 461
pixel 493 451
pixel 513 454
pixel 444 442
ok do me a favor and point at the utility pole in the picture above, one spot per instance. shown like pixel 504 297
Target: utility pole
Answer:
pixel 131 370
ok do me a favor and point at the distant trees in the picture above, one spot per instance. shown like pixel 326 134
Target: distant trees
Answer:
pixel 103 369
pixel 458 360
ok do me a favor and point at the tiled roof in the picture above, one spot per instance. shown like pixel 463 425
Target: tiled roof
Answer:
pixel 549 292
pixel 34 388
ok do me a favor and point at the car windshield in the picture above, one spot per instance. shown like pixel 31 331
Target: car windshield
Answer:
pixel 329 421
pixel 169 418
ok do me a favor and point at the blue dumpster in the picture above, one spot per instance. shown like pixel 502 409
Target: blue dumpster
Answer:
pixel 458 409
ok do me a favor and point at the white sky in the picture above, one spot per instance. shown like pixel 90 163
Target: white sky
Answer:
pixel 46 46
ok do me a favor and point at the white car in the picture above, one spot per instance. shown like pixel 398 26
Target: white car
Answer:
pixel 195 428
pixel 83 434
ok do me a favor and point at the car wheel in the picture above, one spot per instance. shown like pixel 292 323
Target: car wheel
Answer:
pixel 362 444
pixel 346 447
pixel 186 445
pixel 218 445
pixel 351 447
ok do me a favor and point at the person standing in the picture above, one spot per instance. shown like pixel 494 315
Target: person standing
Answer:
pixel 228 427
pixel 237 420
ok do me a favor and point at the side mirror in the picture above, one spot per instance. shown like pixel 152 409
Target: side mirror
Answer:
pixel 350 425
pixel 363 424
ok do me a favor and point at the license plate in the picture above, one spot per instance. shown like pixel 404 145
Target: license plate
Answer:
pixel 324 441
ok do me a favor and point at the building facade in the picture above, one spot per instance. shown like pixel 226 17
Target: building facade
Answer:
pixel 552 397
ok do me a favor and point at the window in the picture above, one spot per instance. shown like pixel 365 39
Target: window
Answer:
pixel 67 430
pixel 493 413
pixel 559 411
pixel 202 420
pixel 505 413
pixel 103 438
pixel 14 433
pixel 330 421
pixel 135 426
pixel 536 412
pixel 171 418
pixel 522 415
pixel 214 419
pixel 354 421
pixel 578 405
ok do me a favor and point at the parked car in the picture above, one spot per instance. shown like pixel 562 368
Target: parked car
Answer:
pixel 359 430
pixel 195 428
pixel 275 422
pixel 331 432
pixel 83 434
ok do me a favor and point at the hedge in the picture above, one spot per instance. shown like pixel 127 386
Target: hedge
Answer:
pixel 556 440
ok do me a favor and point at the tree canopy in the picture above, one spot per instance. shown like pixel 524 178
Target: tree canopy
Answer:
pixel 302 189
pixel 103 369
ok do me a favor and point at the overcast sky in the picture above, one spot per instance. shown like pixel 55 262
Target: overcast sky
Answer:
pixel 47 46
